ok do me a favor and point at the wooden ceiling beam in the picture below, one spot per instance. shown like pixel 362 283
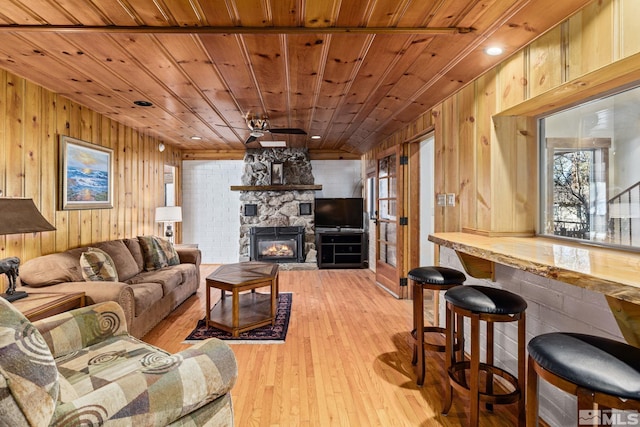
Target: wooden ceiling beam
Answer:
pixel 239 155
pixel 232 30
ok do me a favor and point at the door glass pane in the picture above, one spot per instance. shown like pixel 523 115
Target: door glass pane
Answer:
pixel 387 253
pixel 384 209
pixel 391 232
pixel 392 165
pixel 383 167
pixel 388 231
pixel 383 188
pixel 392 208
pixel 382 250
pixel 390 255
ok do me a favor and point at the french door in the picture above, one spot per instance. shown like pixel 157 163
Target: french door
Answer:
pixel 389 202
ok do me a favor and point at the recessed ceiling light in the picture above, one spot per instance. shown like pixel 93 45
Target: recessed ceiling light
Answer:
pixel 196 138
pixel 316 137
pixel 493 51
pixel 143 103
pixel 272 144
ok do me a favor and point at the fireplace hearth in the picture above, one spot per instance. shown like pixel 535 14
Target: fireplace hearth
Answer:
pixel 277 244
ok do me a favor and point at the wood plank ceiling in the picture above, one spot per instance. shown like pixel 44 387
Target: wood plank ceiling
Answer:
pixel 350 71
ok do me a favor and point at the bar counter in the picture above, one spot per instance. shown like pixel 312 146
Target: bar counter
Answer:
pixel 614 273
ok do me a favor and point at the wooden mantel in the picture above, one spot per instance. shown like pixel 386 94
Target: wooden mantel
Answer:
pixel 611 272
pixel 295 187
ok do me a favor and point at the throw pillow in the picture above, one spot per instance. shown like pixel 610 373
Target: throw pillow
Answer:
pixel 158 252
pixel 97 266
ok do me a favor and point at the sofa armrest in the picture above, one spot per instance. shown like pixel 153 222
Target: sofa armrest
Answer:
pixel 76 329
pixel 189 256
pixel 96 292
pixel 166 389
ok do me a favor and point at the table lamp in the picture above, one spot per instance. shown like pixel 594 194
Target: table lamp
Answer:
pixel 19 216
pixel 168 215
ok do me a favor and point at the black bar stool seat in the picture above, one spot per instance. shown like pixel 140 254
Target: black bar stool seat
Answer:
pixel 595 369
pixel 491 305
pixel 433 278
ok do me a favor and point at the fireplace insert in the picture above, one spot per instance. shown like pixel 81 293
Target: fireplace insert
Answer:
pixel 277 244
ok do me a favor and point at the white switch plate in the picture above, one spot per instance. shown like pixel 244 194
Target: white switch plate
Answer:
pixel 451 199
pixel 441 200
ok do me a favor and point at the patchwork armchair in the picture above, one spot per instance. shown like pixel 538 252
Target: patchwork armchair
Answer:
pixel 83 368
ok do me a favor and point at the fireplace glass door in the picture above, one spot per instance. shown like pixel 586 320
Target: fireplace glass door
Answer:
pixel 277 244
pixel 275 249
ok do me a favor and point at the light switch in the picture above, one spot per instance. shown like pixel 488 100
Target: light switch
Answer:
pixel 451 199
pixel 441 200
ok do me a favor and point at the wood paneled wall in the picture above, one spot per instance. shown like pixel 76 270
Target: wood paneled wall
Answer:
pixel 486 134
pixel 31 120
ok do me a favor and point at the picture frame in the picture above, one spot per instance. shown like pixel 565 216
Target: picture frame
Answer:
pixel 86 175
pixel 277 173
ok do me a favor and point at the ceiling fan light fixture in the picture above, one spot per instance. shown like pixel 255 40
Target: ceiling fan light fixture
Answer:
pixel 273 144
pixel 256 134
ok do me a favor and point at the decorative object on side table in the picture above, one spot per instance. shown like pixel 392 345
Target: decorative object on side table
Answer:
pixel 168 215
pixel 19 216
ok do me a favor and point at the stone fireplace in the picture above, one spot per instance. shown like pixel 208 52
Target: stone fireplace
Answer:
pixel 287 204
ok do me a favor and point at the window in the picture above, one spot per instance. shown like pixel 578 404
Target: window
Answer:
pixel 591 171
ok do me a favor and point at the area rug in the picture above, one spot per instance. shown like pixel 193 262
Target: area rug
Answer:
pixel 264 335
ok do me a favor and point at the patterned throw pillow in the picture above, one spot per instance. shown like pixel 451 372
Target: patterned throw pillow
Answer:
pixel 158 252
pixel 97 266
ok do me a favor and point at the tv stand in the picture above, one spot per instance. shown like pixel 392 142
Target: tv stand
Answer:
pixel 341 249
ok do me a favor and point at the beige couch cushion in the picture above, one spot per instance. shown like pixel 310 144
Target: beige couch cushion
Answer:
pixel 189 272
pixel 53 269
pixel 122 258
pixel 135 249
pixel 169 278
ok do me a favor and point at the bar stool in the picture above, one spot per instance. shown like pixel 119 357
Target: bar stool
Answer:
pixel 435 279
pixel 595 369
pixel 483 303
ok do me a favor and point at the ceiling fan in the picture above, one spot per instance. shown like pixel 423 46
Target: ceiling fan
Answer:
pixel 260 125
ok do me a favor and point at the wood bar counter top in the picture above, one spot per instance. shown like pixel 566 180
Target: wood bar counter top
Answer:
pixel 614 273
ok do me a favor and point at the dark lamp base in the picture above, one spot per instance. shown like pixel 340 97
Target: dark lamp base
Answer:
pixel 14 296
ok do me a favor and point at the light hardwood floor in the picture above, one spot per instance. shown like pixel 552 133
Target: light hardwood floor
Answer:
pixel 346 360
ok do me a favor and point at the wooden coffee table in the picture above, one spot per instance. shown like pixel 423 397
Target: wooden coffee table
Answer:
pixel 248 310
pixel 37 306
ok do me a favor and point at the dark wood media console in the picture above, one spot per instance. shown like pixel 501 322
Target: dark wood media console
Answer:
pixel 341 249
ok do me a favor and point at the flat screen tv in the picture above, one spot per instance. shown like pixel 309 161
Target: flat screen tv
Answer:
pixel 339 213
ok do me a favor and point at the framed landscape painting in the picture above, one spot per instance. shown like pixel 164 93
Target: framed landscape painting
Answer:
pixel 86 175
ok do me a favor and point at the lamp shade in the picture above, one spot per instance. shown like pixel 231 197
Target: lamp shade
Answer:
pixel 21 216
pixel 169 214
